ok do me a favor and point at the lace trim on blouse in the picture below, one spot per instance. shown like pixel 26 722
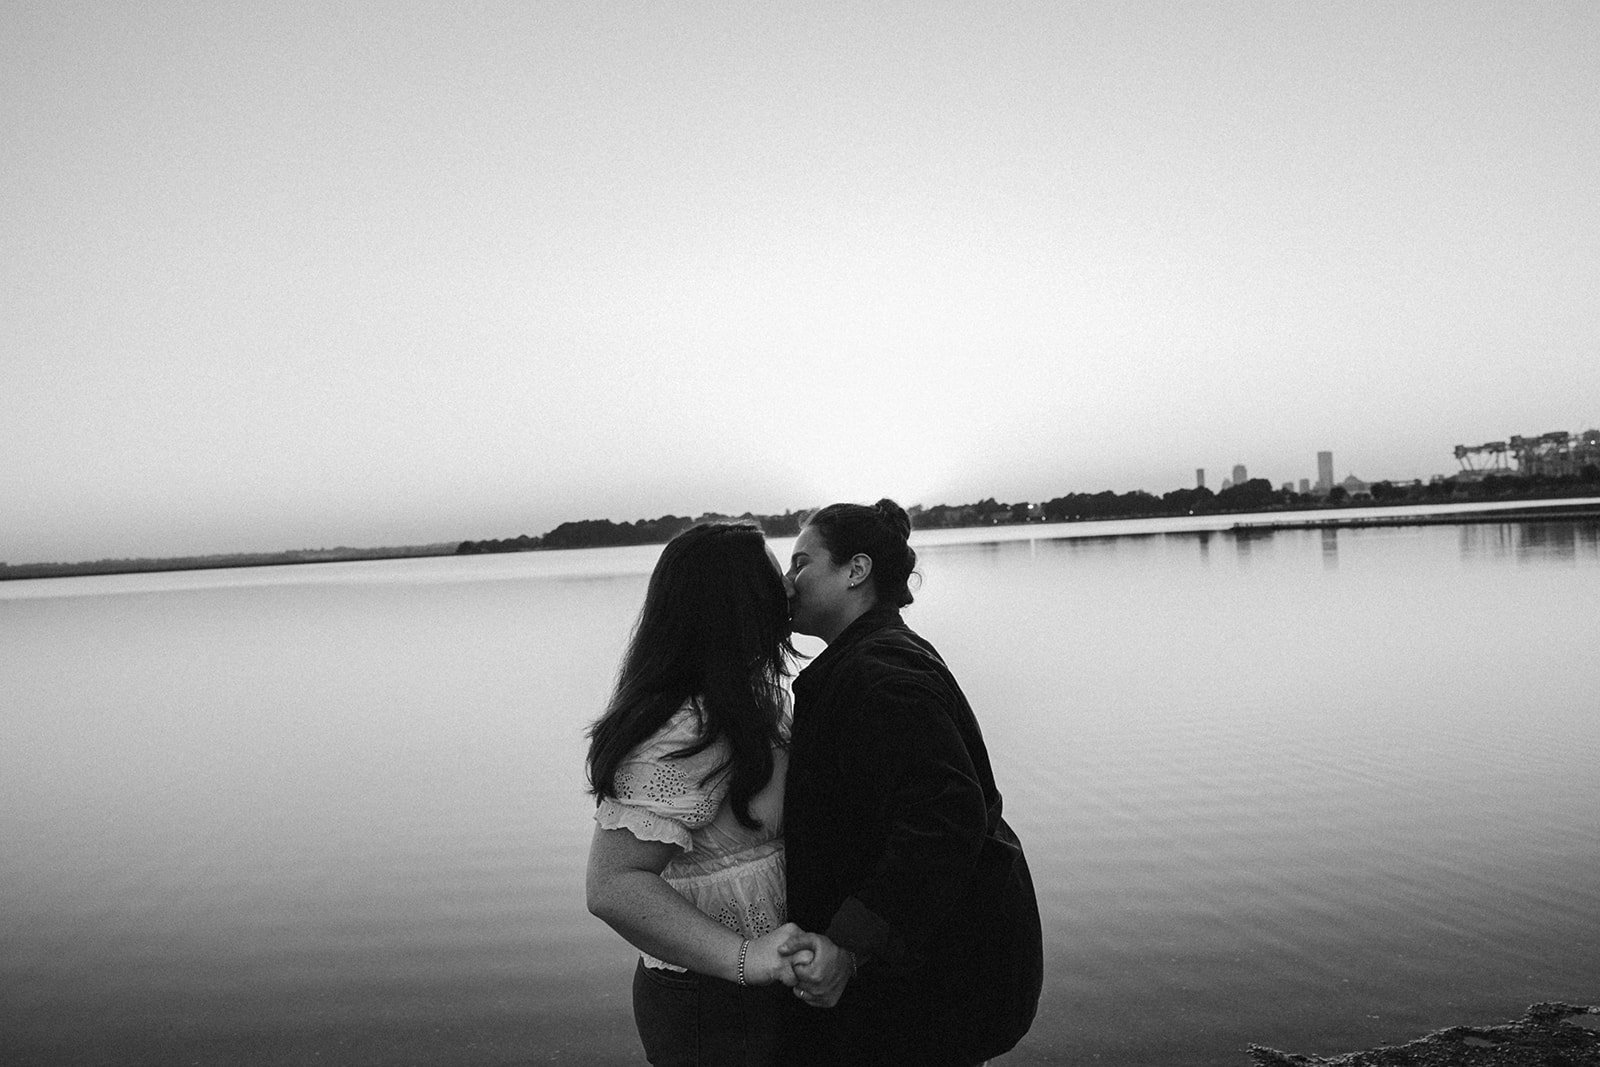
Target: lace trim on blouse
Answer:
pixel 643 823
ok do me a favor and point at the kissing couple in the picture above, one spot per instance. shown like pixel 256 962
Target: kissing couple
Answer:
pixel 831 884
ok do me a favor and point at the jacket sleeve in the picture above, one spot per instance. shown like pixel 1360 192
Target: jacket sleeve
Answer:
pixel 925 803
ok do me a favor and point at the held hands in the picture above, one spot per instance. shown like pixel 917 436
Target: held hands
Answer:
pixel 765 964
pixel 821 978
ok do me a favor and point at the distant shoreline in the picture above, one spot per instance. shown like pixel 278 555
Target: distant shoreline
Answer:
pixel 237 561
pixel 1549 509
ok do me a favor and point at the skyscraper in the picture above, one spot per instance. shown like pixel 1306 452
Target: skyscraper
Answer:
pixel 1324 472
pixel 1199 477
pixel 1239 475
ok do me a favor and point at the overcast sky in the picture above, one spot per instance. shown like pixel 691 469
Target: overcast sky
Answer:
pixel 299 275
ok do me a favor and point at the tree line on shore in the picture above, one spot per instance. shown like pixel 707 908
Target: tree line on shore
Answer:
pixel 1256 494
pixel 603 533
pixel 1253 495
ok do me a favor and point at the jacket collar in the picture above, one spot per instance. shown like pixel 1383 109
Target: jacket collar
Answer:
pixel 868 622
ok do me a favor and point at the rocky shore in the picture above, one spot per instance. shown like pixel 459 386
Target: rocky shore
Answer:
pixel 1549 1035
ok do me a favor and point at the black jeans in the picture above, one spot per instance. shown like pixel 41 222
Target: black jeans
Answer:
pixel 693 1020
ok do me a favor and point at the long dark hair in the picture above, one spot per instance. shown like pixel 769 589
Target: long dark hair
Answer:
pixel 881 532
pixel 714 629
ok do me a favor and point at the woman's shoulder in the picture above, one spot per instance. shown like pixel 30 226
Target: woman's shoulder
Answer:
pixel 662 791
pixel 681 730
pixel 685 724
pixel 894 672
pixel 673 747
pixel 891 652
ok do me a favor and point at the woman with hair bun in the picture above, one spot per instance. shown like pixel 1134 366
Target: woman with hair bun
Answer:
pixel 927 945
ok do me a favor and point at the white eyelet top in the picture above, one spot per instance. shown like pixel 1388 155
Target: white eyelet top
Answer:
pixel 728 871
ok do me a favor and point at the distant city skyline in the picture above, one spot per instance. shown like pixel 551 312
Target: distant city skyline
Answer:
pixel 292 276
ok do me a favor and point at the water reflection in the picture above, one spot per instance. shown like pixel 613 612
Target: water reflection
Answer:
pixel 1180 541
pixel 1263 803
pixel 1558 540
pixel 1531 541
pixel 1247 542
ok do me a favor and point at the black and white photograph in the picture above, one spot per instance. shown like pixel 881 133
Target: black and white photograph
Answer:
pixel 856 532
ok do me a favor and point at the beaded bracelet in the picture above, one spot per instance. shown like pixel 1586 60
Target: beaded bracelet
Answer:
pixel 744 950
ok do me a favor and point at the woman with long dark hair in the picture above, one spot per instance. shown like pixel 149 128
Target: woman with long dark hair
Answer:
pixel 930 950
pixel 687 767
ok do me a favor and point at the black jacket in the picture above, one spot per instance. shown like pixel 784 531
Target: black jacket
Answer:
pixel 897 851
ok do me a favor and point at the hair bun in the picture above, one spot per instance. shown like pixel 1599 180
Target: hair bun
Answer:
pixel 895 516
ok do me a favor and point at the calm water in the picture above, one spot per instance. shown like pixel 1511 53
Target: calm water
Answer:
pixel 1311 789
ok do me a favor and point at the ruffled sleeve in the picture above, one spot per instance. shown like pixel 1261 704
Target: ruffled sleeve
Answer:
pixel 664 799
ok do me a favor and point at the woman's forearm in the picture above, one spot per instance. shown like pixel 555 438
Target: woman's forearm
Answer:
pixel 657 920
